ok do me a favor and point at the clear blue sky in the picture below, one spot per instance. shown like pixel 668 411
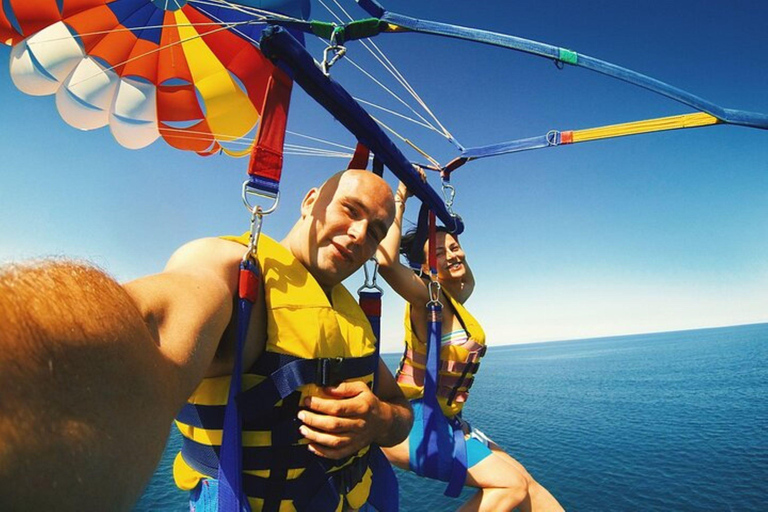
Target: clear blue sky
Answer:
pixel 648 233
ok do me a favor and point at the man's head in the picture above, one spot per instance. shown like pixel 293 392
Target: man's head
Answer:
pixel 341 225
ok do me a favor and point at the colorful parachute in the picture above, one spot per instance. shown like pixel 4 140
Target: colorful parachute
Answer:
pixel 192 75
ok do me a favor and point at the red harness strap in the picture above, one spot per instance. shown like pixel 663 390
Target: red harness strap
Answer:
pixel 266 163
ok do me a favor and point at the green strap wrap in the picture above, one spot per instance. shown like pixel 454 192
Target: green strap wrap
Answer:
pixel 359 29
pixel 568 56
pixel 322 29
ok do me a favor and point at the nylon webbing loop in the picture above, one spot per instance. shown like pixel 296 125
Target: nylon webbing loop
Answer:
pixel 230 495
pixel 266 164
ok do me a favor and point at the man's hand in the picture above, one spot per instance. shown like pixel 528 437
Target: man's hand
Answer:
pixel 346 419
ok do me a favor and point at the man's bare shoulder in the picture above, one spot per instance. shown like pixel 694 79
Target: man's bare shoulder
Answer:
pixel 207 253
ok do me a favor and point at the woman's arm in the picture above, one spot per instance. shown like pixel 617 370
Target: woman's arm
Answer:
pixel 401 278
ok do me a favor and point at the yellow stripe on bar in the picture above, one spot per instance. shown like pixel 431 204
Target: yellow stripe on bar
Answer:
pixel 650 125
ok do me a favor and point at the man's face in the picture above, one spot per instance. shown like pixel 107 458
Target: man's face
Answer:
pixel 345 221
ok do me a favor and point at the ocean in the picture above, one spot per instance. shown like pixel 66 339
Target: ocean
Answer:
pixel 672 421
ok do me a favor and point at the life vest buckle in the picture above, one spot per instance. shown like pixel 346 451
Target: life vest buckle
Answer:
pixel 329 371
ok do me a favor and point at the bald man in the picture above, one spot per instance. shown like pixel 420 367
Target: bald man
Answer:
pixel 92 373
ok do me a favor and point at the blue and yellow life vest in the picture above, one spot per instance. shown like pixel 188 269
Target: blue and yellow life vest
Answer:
pixel 322 343
pixel 458 362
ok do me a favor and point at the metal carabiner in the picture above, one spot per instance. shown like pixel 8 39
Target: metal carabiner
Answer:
pixel 434 293
pixel 339 52
pixel 257 217
pixel 370 283
pixel 448 196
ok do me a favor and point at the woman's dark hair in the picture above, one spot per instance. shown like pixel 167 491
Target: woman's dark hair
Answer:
pixel 413 249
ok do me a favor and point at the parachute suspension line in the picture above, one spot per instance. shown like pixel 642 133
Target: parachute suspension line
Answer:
pixel 316 139
pixel 395 113
pixel 123 30
pixel 155 50
pixel 387 64
pixel 250 10
pixel 414 146
pixel 291 149
pixel 429 125
pixel 402 80
pixel 294 150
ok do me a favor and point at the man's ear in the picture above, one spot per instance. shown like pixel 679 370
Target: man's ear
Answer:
pixel 309 201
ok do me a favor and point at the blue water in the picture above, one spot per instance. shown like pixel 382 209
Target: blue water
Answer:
pixel 671 421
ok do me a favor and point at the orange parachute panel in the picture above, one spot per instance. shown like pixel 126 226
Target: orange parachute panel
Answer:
pixel 93 25
pixel 34 16
pixel 197 137
pixel 114 48
pixel 143 61
pixel 8 34
pixel 171 62
pixel 177 103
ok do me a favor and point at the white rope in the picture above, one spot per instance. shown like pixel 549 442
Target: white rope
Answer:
pixel 320 140
pixel 390 67
pixel 264 13
pixel 420 151
pixel 396 73
pixel 394 113
pixel 394 95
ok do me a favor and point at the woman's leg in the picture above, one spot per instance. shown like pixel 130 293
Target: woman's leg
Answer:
pixel 504 484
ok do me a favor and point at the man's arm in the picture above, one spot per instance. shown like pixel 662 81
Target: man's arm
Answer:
pixel 92 374
pixel 350 417
pixel 86 396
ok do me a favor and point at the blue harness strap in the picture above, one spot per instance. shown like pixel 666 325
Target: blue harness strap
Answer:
pixel 230 496
pixel 293 372
pixel 434 421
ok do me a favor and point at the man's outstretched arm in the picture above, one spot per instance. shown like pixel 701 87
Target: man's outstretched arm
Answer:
pixel 87 391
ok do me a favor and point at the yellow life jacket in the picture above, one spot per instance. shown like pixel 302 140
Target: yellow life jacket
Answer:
pixel 303 326
pixel 458 362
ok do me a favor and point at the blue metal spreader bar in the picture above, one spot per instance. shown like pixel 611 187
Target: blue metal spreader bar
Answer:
pixel 287 53
pixel 562 55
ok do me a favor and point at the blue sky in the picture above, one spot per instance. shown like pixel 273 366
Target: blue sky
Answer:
pixel 647 233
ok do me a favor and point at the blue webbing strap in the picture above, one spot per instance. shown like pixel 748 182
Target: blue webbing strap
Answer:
pixel 293 372
pixel 230 495
pixel 385 494
pixel 511 147
pixel 279 46
pixel 562 55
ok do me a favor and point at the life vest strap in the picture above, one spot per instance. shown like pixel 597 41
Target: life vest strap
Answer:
pixel 287 373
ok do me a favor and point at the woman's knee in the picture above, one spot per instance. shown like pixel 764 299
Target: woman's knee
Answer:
pixel 517 489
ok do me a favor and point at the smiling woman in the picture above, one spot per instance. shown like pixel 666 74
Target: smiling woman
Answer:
pixel 443 347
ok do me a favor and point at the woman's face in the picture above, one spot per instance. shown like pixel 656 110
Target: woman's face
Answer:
pixel 451 260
